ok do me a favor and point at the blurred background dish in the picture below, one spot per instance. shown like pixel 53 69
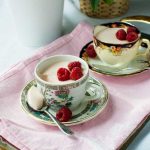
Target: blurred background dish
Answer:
pixel 96 65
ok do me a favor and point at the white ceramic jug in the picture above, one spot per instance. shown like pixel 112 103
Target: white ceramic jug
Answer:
pixel 38 22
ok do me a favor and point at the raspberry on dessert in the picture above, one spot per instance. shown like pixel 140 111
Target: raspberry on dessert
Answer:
pixel 63 74
pixel 91 51
pixel 76 73
pixel 131 36
pixel 74 64
pixel 121 34
pixel 131 29
pixel 64 114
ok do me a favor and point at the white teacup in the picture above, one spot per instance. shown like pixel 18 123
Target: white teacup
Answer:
pixel 117 53
pixel 62 94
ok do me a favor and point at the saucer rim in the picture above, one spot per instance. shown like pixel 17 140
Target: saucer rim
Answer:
pixel 70 123
pixel 105 72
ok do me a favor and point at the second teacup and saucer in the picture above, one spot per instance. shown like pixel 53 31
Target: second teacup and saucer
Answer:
pixel 117 57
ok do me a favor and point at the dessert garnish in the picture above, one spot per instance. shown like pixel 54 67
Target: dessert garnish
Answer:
pixel 121 34
pixel 74 64
pixel 91 51
pixel 63 74
pixel 76 73
pixel 131 29
pixel 130 36
pixel 64 114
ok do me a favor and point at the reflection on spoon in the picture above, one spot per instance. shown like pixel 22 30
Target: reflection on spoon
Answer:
pixel 36 103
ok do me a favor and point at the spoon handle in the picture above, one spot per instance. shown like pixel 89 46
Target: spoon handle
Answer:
pixel 61 126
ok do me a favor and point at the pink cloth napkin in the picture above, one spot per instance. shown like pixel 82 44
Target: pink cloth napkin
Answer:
pixel 129 104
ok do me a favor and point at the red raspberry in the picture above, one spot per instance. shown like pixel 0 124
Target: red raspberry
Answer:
pixel 131 36
pixel 91 51
pixel 74 64
pixel 121 34
pixel 64 114
pixel 131 29
pixel 76 73
pixel 63 74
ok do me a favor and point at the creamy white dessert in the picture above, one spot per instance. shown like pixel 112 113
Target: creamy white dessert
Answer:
pixel 50 74
pixel 108 35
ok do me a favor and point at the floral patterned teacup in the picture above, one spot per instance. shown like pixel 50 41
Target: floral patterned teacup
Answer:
pixel 62 94
pixel 117 53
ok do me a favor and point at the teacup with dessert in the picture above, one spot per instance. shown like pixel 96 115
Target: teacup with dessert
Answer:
pixel 62 80
pixel 117 44
pixel 62 84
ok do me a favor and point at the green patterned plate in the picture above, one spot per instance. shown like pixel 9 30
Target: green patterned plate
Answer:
pixel 86 111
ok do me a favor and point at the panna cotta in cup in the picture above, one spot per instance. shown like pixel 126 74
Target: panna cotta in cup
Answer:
pixel 117 44
pixel 109 36
pixel 50 74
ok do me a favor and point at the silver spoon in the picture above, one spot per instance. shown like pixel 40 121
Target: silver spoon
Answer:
pixel 60 125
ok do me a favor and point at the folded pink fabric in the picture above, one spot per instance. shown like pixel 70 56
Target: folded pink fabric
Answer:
pixel 129 104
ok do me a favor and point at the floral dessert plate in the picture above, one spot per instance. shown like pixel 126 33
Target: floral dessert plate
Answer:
pixel 86 111
pixel 96 65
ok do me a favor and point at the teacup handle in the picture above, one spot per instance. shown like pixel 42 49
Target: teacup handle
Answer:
pixel 92 92
pixel 142 49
